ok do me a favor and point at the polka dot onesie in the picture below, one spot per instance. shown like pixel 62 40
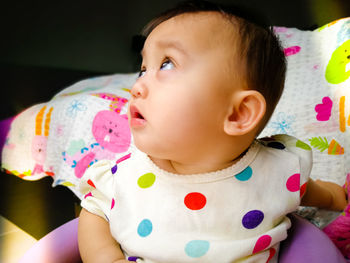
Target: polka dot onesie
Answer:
pixel 237 214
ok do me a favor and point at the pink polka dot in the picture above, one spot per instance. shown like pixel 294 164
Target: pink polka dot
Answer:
pixel 262 243
pixel 195 201
pixel 87 195
pixel 293 183
pixel 113 203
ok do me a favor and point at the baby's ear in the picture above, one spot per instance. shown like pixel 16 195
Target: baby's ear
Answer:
pixel 245 113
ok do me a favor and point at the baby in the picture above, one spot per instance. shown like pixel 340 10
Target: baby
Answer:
pixel 198 186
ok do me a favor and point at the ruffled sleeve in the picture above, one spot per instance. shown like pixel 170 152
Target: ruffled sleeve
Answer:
pixel 303 151
pixel 96 187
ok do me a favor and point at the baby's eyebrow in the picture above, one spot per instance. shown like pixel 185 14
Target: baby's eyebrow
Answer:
pixel 173 44
pixel 169 44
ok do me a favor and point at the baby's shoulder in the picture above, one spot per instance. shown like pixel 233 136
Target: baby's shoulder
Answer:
pixel 288 151
pixel 287 143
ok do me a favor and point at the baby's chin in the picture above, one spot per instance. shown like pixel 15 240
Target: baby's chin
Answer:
pixel 143 145
pixel 152 149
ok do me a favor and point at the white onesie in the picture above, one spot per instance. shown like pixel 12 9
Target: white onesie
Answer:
pixel 237 214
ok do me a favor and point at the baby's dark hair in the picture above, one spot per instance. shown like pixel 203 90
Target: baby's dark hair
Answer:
pixel 263 59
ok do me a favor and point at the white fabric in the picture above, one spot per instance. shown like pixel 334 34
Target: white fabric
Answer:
pixel 315 104
pixel 222 216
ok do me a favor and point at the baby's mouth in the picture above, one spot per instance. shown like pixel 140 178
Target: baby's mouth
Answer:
pixel 135 113
pixel 139 116
pixel 137 120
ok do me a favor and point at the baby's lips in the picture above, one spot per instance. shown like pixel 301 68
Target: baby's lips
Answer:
pixel 135 113
pixel 136 118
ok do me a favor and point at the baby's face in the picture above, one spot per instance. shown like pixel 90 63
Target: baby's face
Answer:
pixel 186 83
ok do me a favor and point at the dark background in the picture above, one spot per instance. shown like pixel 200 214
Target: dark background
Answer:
pixel 47 45
pixel 82 38
pixel 96 35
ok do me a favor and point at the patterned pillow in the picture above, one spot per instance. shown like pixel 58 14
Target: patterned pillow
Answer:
pixel 87 122
pixel 315 105
pixel 82 124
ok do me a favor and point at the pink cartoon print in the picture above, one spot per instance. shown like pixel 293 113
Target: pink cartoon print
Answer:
pixel 39 143
pixel 289 51
pixel 324 109
pixel 324 113
pixel 111 132
pixel 110 129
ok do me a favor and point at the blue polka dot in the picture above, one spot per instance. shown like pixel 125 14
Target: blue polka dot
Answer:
pixel 197 248
pixel 252 219
pixel 245 174
pixel 145 228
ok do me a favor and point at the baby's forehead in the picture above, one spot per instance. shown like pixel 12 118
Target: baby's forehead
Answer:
pixel 210 22
pixel 211 29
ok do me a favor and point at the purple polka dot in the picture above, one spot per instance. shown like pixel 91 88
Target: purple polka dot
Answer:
pixel 276 145
pixel 134 259
pixel 252 219
pixel 114 169
pixel 106 217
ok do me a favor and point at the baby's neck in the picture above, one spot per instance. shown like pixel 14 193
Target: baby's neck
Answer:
pixel 195 168
pixel 212 157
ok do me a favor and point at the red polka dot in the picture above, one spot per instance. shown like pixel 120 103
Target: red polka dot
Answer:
pixel 91 183
pixel 272 253
pixel 303 189
pixel 293 183
pixel 195 201
pixel 262 243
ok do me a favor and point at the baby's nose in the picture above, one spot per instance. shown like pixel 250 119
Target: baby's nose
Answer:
pixel 139 90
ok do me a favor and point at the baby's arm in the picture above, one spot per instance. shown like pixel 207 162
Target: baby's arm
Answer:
pixel 96 243
pixel 325 195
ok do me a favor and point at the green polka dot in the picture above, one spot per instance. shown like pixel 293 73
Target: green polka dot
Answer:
pixel 303 145
pixel 146 180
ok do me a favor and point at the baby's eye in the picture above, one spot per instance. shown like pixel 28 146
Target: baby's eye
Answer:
pixel 142 73
pixel 167 65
